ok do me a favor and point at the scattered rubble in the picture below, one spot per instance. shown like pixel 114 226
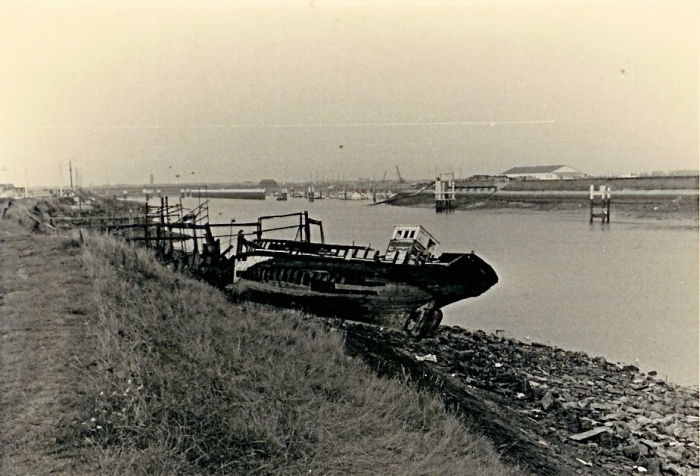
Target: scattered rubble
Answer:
pixel 607 414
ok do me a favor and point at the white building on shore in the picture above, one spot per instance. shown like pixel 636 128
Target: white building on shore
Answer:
pixel 544 172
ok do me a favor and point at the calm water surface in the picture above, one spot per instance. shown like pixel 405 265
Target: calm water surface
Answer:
pixel 627 291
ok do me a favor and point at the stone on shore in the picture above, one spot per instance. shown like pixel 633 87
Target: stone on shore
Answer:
pixel 587 435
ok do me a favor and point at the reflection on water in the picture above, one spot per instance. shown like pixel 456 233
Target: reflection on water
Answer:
pixel 627 291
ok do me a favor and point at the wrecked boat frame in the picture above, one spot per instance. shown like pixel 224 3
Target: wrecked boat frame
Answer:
pixel 404 287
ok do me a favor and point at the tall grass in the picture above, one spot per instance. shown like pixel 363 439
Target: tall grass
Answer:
pixel 187 383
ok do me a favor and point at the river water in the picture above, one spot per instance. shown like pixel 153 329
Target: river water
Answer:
pixel 627 291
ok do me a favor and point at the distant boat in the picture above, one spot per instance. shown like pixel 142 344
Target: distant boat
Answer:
pixel 282 196
pixel 405 287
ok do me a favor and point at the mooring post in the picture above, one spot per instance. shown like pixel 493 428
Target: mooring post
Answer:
pixel 604 192
pixel 603 211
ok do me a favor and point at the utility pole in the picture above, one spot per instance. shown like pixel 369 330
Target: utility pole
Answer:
pixel 60 180
pixel 70 172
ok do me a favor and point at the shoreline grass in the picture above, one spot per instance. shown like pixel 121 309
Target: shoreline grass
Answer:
pixel 187 383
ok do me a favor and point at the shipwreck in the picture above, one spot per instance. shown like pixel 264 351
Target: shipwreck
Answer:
pixel 406 286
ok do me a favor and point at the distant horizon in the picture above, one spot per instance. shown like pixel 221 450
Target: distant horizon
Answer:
pixel 227 91
pixel 407 180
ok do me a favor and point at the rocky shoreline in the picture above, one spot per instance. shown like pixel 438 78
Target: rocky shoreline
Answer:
pixel 571 413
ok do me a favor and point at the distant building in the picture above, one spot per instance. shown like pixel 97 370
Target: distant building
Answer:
pixel 544 172
pixel 7 189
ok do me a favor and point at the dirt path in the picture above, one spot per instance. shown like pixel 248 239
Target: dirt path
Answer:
pixel 41 321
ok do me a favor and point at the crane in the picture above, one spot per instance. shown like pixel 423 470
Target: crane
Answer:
pixel 401 180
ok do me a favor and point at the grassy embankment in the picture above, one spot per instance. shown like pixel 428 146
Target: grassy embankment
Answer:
pixel 161 375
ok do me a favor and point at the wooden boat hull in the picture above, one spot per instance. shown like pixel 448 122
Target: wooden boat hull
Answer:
pixel 365 290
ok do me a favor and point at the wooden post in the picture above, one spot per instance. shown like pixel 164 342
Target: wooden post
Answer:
pixel 195 247
pixel 239 243
pixel 307 227
pixel 145 221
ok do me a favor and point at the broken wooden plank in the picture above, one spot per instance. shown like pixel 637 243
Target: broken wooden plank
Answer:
pixel 587 435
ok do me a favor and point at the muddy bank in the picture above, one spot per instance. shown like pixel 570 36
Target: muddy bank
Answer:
pixel 663 205
pixel 548 410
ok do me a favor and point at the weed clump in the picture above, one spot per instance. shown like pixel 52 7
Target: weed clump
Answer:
pixel 188 383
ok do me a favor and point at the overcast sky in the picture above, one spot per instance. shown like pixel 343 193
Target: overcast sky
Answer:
pixel 224 91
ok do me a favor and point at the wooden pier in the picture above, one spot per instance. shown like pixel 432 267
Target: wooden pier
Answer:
pixel 184 239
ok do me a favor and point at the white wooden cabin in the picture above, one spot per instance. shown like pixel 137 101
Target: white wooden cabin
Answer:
pixel 410 244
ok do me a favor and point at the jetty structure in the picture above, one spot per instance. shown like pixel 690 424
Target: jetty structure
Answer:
pixel 242 193
pixel 444 193
pixel 447 191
